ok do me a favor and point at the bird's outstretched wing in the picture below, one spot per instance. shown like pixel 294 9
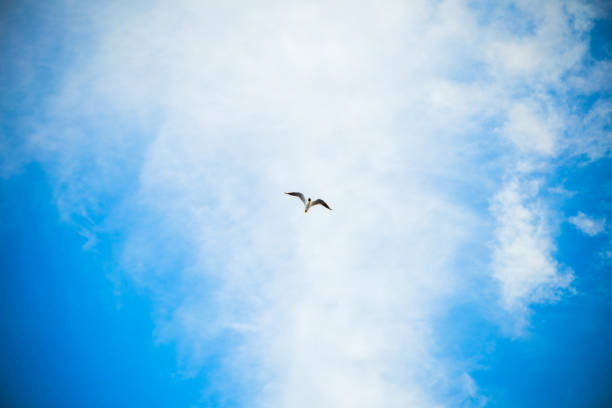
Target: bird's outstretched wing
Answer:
pixel 323 203
pixel 299 195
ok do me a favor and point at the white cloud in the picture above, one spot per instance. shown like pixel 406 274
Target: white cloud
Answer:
pixel 593 136
pixel 529 131
pixel 588 225
pixel 199 116
pixel 523 261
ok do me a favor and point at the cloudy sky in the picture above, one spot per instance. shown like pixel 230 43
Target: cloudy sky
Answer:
pixel 149 256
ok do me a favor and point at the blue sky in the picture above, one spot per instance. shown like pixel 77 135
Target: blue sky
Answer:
pixel 149 257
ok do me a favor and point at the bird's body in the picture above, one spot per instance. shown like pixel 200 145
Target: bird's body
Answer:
pixel 309 203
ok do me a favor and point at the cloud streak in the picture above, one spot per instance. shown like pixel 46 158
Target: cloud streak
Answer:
pixel 523 260
pixel 586 224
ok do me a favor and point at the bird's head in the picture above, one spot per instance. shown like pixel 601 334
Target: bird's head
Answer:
pixel 308 198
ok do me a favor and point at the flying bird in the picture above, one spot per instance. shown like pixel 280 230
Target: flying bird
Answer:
pixel 309 203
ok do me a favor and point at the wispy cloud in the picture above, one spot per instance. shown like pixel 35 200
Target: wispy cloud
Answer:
pixel 523 261
pixel 588 225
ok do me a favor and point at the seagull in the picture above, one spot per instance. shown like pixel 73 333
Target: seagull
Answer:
pixel 309 203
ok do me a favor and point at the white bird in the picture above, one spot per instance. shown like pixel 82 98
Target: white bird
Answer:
pixel 309 203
